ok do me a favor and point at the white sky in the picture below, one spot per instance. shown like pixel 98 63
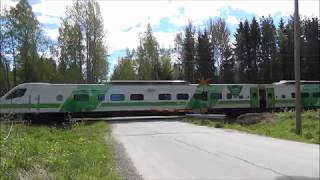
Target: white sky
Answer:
pixel 121 15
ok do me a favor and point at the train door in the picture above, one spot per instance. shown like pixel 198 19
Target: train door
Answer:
pixel 199 102
pixel 254 99
pixel 34 102
pixel 270 98
pixel 262 98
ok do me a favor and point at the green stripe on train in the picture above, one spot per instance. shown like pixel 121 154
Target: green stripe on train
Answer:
pixel 285 101
pixel 55 105
pixel 234 102
pixel 121 104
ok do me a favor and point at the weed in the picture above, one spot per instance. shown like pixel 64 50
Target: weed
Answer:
pixel 279 125
pixel 76 152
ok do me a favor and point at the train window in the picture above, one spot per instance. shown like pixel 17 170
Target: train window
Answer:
pixel 229 96
pixel 293 95
pixel 81 97
pixel 101 97
pixel 136 97
pixel 164 97
pixel 17 93
pixel 316 94
pixel 283 96
pixel 203 96
pixel 117 97
pixel 240 97
pixel 59 97
pixel 304 94
pixel 216 95
pixel 182 96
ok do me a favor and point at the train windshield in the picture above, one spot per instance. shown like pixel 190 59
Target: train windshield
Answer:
pixel 17 93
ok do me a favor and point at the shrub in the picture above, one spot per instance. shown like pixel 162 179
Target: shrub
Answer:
pixel 308 135
pixel 219 125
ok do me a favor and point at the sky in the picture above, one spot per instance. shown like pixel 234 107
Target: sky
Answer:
pixel 124 20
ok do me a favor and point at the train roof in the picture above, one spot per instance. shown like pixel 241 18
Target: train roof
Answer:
pixel 153 82
pixel 124 82
pixel 293 82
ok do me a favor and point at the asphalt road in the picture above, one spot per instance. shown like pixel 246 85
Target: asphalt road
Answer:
pixel 178 150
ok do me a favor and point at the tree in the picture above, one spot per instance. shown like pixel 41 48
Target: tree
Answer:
pixel 219 34
pixel 203 61
pixel 27 30
pixel 242 52
pixel 4 76
pixel 268 50
pixel 165 70
pixel 310 54
pixel 4 67
pixel 188 53
pixel 81 42
pixel 71 51
pixel 148 56
pixel 178 71
pixel 254 50
pixel 9 42
pixel 125 69
pixel 47 69
pixel 228 66
pixel 286 50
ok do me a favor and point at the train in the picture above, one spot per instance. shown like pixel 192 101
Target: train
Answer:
pixel 136 98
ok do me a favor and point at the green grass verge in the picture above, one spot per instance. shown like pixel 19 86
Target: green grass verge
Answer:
pixel 282 126
pixel 77 152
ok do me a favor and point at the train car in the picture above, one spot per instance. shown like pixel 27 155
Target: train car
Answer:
pixel 110 99
pixel 240 98
pixel 125 98
pixel 285 94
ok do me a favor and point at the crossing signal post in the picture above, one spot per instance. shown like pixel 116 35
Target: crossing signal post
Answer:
pixel 297 66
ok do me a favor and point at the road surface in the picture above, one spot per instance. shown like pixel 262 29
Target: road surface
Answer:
pixel 178 150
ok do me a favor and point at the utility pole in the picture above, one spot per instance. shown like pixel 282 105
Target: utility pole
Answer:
pixel 297 66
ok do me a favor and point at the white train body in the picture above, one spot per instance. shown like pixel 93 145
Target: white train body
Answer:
pixel 153 96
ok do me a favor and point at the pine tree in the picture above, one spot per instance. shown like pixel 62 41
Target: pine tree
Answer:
pixel 283 50
pixel 254 49
pixel 188 53
pixel 268 50
pixel 148 56
pixel 310 54
pixel 286 53
pixel 203 59
pixel 228 66
pixel 242 52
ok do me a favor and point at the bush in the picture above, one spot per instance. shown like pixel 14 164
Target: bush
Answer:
pixel 205 122
pixel 308 135
pixel 254 118
pixel 219 125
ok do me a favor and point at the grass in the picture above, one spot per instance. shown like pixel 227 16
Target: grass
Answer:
pixel 281 126
pixel 77 152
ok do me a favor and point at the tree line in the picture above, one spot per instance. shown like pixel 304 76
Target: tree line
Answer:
pixel 261 53
pixel 27 55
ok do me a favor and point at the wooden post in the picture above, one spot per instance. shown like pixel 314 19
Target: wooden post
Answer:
pixel 297 66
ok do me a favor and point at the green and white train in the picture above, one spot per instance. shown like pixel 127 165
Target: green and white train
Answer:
pixel 123 98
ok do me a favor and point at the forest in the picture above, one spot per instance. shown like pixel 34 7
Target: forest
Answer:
pixel 261 52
